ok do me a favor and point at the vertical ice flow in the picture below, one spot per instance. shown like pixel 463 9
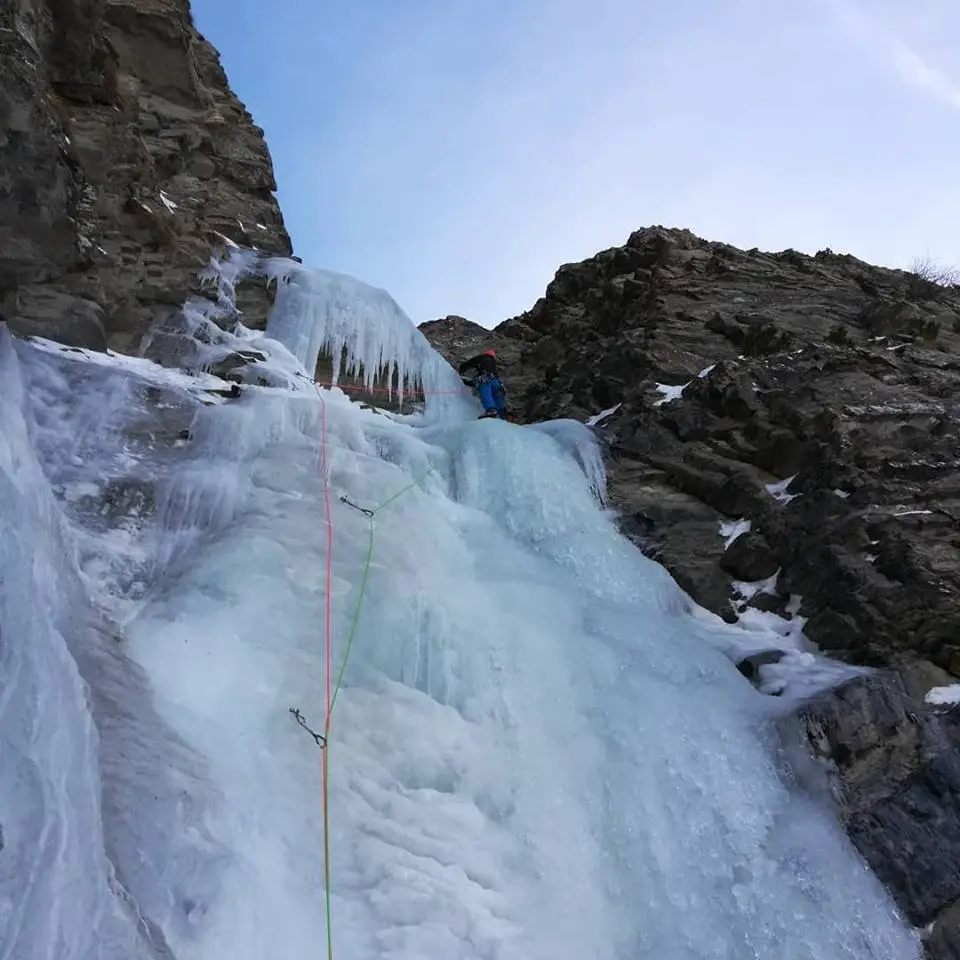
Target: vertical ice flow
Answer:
pixel 539 750
pixel 57 896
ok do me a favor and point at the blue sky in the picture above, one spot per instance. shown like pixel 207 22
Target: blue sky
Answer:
pixel 456 152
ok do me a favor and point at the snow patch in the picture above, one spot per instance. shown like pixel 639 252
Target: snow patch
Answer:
pixel 779 490
pixel 670 392
pixel 944 696
pixel 148 370
pixel 804 673
pixel 748 590
pixel 731 529
pixel 602 415
pixel 230 243
pixel 167 202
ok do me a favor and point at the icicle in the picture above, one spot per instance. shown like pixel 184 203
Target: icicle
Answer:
pixel 317 311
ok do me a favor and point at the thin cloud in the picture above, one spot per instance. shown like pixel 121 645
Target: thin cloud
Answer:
pixel 908 64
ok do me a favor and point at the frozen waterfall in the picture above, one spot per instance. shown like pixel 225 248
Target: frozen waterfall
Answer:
pixel 541 750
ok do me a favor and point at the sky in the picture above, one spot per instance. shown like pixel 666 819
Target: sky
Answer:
pixel 456 152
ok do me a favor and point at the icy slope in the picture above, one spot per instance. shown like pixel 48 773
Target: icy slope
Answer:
pixel 540 750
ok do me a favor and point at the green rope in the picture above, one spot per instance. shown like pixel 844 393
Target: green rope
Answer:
pixel 355 623
pixel 364 579
pixel 351 636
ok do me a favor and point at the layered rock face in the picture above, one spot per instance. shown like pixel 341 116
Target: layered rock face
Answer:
pixel 125 161
pixel 810 405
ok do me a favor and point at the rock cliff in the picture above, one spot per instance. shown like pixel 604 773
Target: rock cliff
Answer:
pixel 815 397
pixel 785 433
pixel 125 161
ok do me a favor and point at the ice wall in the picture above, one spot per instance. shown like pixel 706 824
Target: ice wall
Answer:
pixel 57 891
pixel 540 749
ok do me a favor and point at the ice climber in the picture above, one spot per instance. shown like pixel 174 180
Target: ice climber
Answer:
pixel 480 373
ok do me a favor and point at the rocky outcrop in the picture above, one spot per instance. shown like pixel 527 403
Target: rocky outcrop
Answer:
pixel 891 763
pixel 456 337
pixel 125 161
pixel 816 397
pixel 796 420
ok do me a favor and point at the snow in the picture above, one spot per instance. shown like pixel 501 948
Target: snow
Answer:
pixel 779 490
pixel 669 392
pixel 842 494
pixel 602 415
pixel 167 202
pixel 801 671
pixel 227 240
pixel 748 590
pixel 197 384
pixel 542 748
pixel 731 529
pixel 944 696
pixel 672 392
pixel 794 604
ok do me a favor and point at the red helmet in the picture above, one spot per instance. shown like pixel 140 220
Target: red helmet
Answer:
pixel 490 353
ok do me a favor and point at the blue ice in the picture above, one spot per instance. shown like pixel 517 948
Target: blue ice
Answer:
pixel 541 750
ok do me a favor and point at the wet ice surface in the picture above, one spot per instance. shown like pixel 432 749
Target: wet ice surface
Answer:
pixel 542 750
